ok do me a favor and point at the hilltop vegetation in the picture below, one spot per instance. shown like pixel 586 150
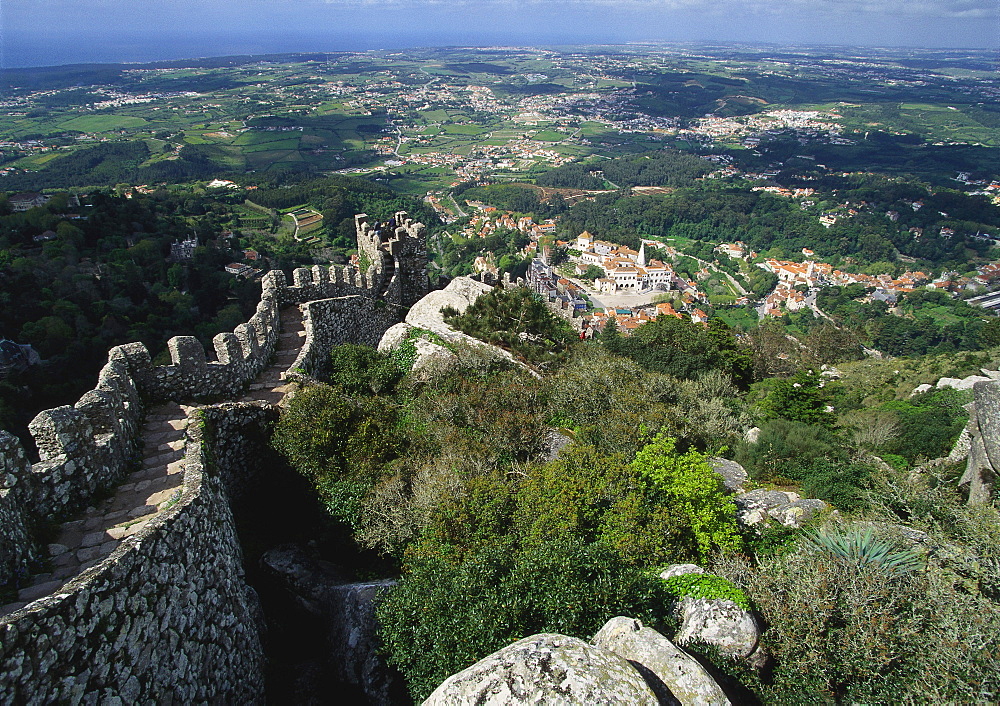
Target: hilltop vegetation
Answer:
pixel 452 479
pixel 546 497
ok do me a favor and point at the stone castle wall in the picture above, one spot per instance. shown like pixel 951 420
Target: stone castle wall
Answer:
pixel 89 447
pixel 331 322
pixel 164 606
pixel 167 617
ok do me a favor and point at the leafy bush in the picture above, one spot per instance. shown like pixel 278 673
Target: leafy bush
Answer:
pixel 450 611
pixel 687 480
pixel 929 423
pixel 837 480
pixel 706 586
pixel 783 444
pixel 517 321
pixel 600 498
pixel 340 444
pixel 362 370
pixel 686 350
pixel 844 632
pixel 800 398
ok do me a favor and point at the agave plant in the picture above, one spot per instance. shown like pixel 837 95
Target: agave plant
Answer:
pixel 861 548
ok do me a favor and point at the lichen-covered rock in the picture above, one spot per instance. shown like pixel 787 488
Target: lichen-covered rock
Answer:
pixel 788 508
pixel 721 623
pixel 546 669
pixel 984 443
pixel 733 474
pixel 555 442
pixel 675 677
pixel 460 293
pixel 680 570
pixel 436 342
pixel 393 338
pixel 961 383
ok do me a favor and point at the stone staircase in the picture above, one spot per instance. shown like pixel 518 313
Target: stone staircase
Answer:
pixel 156 486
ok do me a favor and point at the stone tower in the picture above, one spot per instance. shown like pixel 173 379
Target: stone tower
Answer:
pixel 396 252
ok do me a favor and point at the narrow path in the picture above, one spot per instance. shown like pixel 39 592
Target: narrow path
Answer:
pixel 156 486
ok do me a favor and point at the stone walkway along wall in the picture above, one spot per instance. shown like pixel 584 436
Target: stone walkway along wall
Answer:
pixel 148 601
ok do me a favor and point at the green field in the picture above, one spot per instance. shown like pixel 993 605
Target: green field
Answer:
pixel 101 123
pixel 465 129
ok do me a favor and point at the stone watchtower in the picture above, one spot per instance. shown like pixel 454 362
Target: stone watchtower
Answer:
pixel 397 252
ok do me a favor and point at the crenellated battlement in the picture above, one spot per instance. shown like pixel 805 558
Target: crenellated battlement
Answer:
pixel 88 447
pixel 166 611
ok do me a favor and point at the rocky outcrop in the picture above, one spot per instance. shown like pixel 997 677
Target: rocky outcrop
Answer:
pixel 734 476
pixel 675 677
pixel 348 613
pixel 983 434
pixel 544 669
pixel 720 623
pixel 966 383
pixel 438 345
pixel 788 508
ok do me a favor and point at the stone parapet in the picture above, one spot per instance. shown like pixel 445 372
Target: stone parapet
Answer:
pixel 331 322
pixel 166 617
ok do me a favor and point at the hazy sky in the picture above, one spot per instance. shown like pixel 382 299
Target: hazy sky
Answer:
pixel 43 32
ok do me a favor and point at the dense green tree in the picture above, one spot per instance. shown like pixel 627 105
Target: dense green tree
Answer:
pixel 686 350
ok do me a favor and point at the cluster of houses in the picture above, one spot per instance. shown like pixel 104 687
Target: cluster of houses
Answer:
pixel 814 274
pixel 567 297
pixel 625 270
pixel 568 300
pixel 489 220
pixel 27 200
pixel 628 319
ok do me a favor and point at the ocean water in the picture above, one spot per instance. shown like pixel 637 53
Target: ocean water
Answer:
pixel 21 51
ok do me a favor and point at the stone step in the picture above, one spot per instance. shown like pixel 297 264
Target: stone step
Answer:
pixel 40 590
pixel 161 459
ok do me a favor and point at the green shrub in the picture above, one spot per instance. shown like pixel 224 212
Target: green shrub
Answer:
pixel 706 586
pixel 929 423
pixel 688 480
pixel 841 483
pixel 781 444
pixel 448 611
pixel 518 321
pixel 362 370
pixel 332 439
pixel 800 398
pixel 896 461
pixel 841 632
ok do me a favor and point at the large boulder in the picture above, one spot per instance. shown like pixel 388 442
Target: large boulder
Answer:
pixel 983 438
pixel 437 345
pixel 546 669
pixel 721 623
pixel 460 293
pixel 961 383
pixel 760 506
pixel 676 678
pixel 734 476
pixel 680 570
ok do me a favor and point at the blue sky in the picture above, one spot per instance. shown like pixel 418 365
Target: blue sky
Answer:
pixel 43 32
